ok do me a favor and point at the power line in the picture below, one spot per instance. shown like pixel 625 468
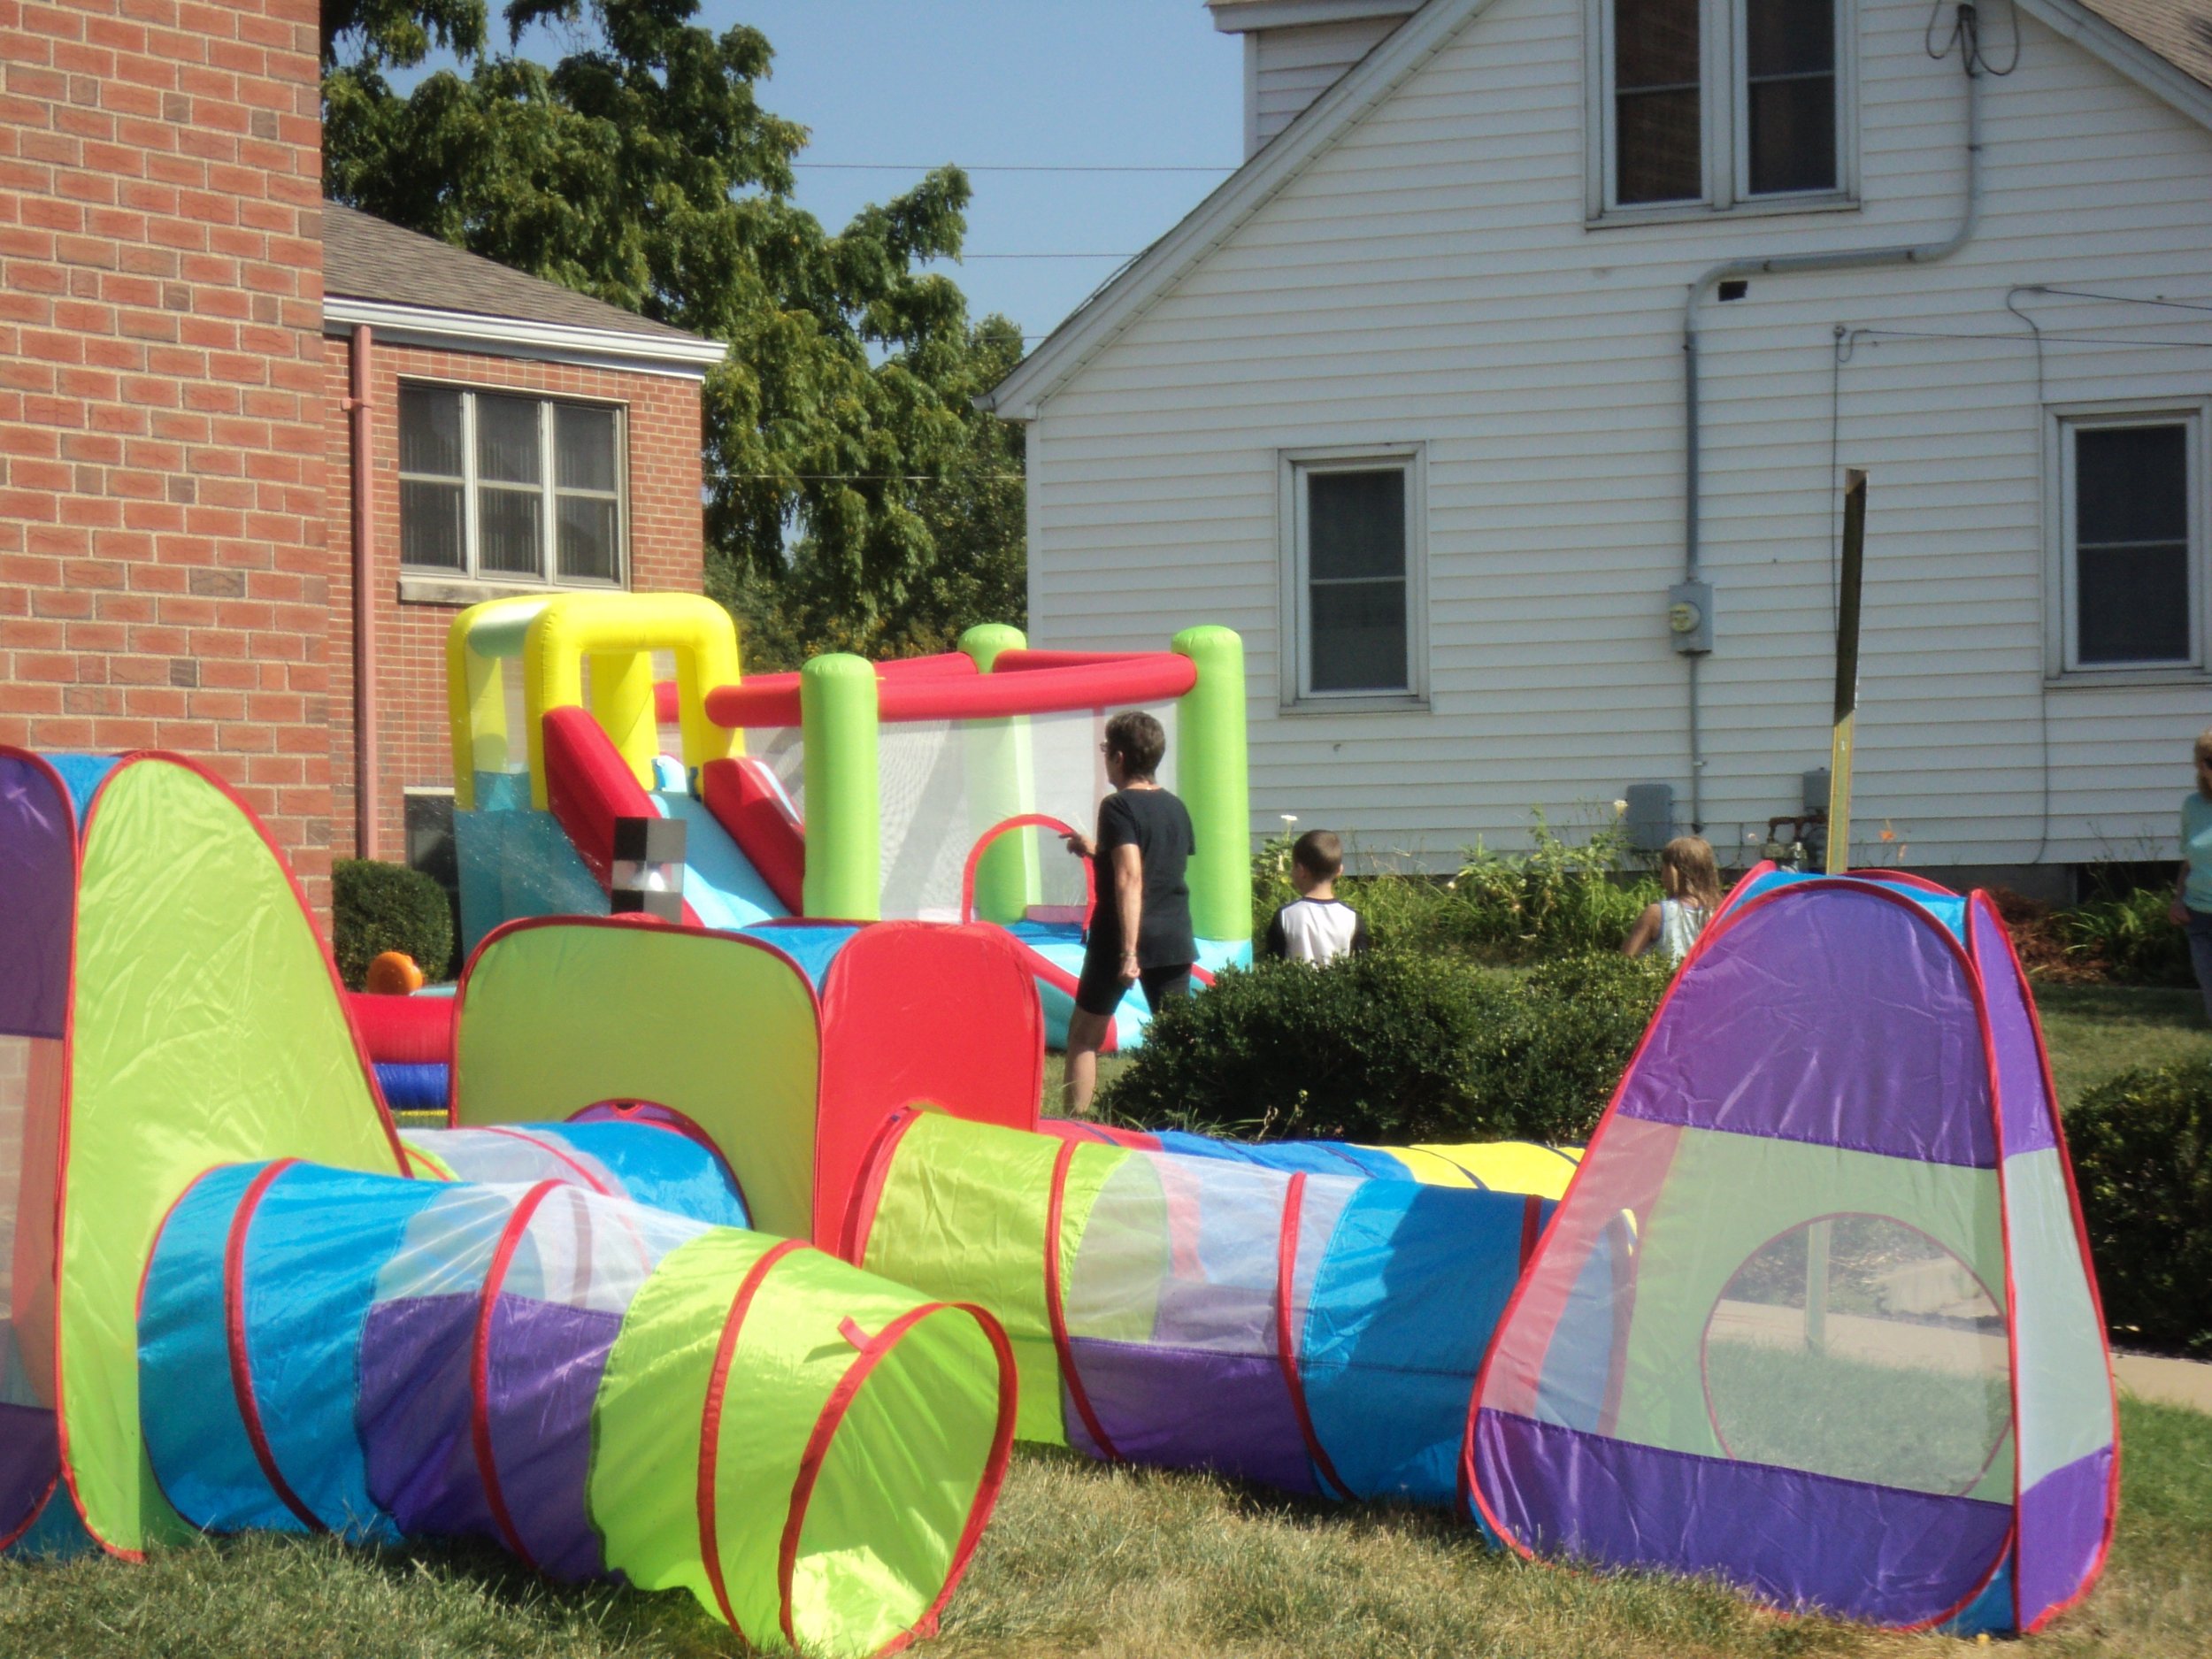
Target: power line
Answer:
pixel 1045 255
pixel 915 166
pixel 876 478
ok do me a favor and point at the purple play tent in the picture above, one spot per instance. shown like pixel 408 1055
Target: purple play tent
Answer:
pixel 1815 1318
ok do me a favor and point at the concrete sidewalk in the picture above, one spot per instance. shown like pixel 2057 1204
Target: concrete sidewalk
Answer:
pixel 2173 1382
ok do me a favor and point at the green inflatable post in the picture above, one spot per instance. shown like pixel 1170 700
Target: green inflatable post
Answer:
pixel 837 714
pixel 1001 784
pixel 1210 775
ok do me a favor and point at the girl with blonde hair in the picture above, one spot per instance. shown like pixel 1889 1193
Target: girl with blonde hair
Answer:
pixel 1690 881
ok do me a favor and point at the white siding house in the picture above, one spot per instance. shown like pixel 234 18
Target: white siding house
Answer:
pixel 1404 403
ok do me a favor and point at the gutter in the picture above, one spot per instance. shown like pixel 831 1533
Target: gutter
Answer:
pixel 1845 259
pixel 365 769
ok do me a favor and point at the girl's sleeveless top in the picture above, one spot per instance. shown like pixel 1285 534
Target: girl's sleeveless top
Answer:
pixel 1679 925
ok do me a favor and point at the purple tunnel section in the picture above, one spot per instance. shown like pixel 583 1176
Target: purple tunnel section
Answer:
pixel 544 1365
pixel 1192 1409
pixel 38 877
pixel 1831 1013
pixel 1800 1540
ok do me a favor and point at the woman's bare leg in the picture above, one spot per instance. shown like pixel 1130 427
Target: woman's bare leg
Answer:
pixel 1086 1034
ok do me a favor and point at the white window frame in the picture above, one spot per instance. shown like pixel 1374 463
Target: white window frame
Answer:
pixel 1725 124
pixel 550 492
pixel 1295 632
pixel 2062 663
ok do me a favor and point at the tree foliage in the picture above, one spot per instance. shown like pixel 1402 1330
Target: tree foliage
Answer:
pixel 854 496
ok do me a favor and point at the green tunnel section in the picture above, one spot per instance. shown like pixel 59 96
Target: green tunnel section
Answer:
pixel 837 1443
pixel 560 1017
pixel 206 1027
pixel 966 1205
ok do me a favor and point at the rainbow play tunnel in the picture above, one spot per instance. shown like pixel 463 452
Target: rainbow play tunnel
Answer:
pixel 1317 1332
pixel 600 1386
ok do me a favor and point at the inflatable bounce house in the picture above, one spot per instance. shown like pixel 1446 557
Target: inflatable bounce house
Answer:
pixel 935 788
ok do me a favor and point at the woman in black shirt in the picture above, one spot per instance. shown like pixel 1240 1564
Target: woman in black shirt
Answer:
pixel 1140 926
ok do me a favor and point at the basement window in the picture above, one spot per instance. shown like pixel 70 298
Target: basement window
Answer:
pixel 505 488
pixel 2131 539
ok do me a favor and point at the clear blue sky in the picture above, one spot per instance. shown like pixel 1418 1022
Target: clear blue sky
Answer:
pixel 1059 83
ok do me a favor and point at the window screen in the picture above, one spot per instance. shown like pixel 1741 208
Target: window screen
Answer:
pixel 1658 107
pixel 431 477
pixel 2130 531
pixel 1790 94
pixel 1355 579
pixel 516 488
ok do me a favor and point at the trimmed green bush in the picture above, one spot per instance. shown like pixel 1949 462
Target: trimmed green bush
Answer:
pixel 1392 1048
pixel 378 907
pixel 2142 1149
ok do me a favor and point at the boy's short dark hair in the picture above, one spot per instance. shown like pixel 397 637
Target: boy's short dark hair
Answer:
pixel 1319 853
pixel 1137 738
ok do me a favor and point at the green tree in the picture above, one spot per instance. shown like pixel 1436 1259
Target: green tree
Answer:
pixel 854 494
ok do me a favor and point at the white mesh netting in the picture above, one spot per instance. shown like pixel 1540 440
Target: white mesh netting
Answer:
pixel 945 784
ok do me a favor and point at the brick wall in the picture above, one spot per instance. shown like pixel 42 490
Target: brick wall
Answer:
pixel 162 493
pixel 665 550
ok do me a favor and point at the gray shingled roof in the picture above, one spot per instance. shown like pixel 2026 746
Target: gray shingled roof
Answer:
pixel 366 258
pixel 2179 31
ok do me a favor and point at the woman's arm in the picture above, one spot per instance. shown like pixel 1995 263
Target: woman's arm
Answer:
pixel 1129 902
pixel 1640 936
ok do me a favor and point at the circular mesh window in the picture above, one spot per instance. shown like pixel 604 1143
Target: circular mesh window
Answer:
pixel 1859 1347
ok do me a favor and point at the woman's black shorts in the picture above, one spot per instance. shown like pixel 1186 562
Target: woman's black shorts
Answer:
pixel 1100 990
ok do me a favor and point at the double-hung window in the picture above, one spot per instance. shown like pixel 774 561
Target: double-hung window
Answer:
pixel 501 488
pixel 1718 104
pixel 2130 553
pixel 1353 587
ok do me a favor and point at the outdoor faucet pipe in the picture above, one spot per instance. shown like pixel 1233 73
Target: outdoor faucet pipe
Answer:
pixel 1776 265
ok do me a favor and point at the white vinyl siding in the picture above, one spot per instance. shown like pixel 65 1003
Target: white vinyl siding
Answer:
pixel 1432 275
pixel 1287 69
pixel 504 488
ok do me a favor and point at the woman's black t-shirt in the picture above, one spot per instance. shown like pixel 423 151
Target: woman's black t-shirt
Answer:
pixel 1158 825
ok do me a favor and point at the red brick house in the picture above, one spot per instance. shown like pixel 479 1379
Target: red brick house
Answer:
pixel 176 444
pixel 519 436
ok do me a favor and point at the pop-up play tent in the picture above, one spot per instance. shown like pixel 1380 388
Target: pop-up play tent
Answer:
pixel 600 1385
pixel 1815 1317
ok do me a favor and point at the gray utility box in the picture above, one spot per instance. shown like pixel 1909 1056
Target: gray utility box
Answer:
pixel 1650 816
pixel 1690 617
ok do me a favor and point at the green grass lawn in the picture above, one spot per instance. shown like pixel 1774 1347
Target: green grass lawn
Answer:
pixel 1116 1564
pixel 2095 1031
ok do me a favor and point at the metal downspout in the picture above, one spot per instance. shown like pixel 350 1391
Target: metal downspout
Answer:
pixel 1845 259
pixel 366 841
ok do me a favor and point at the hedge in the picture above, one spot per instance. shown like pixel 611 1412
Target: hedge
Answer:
pixel 380 907
pixel 1392 1048
pixel 2142 1149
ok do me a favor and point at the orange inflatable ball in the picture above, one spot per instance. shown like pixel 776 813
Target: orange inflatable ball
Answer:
pixel 395 974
